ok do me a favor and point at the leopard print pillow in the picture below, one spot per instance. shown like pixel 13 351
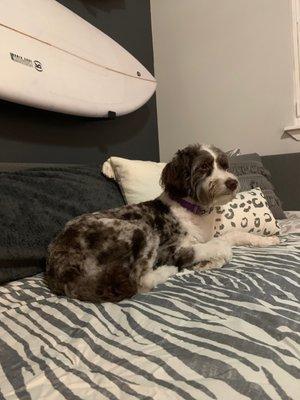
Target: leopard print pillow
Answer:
pixel 248 211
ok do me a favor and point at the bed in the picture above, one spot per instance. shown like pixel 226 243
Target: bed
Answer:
pixel 230 333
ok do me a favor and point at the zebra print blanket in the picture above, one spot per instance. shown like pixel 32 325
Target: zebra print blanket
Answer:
pixel 229 334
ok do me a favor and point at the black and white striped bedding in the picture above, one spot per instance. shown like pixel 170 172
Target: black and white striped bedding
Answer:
pixel 225 334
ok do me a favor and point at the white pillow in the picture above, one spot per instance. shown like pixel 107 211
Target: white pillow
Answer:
pixel 249 212
pixel 138 180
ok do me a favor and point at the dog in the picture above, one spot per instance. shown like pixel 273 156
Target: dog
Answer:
pixel 111 255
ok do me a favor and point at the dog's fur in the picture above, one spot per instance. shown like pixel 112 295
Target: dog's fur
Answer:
pixel 111 255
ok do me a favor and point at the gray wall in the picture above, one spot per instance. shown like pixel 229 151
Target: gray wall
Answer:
pixel 225 74
pixel 30 135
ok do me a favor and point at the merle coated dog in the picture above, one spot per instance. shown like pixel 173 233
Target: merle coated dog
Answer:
pixel 112 255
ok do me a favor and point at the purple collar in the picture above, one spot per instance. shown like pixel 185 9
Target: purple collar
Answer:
pixel 194 208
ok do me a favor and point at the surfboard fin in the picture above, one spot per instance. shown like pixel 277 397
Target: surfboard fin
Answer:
pixel 111 115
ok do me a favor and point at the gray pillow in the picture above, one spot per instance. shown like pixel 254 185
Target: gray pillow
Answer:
pixel 36 203
pixel 248 164
pixel 252 173
pixel 252 181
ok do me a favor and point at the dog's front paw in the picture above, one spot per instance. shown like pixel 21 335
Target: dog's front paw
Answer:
pixel 220 250
pixel 271 241
pixel 263 241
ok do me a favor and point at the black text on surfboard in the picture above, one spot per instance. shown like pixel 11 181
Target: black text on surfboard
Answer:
pixel 26 61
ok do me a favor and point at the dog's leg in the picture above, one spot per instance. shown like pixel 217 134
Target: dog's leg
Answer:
pixel 215 249
pixel 237 238
pixel 155 277
pixel 213 254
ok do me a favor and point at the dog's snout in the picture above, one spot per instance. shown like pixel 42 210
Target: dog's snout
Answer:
pixel 231 184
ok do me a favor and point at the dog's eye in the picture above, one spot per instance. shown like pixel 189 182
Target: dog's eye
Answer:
pixel 224 165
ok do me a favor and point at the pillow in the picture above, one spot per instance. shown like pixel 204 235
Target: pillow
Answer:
pixel 233 152
pixel 248 164
pixel 138 180
pixel 252 173
pixel 249 211
pixel 36 203
pixel 252 181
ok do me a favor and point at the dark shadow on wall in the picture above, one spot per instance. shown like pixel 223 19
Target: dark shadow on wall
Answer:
pixel 52 128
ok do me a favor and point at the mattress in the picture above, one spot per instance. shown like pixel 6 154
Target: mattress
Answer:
pixel 229 333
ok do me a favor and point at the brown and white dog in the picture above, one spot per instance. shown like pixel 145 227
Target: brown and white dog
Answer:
pixel 111 255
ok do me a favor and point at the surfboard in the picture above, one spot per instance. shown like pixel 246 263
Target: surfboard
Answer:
pixel 51 58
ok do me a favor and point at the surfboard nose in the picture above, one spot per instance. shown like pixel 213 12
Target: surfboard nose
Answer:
pixel 142 73
pixel 139 92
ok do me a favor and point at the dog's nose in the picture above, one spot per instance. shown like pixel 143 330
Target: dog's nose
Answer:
pixel 231 184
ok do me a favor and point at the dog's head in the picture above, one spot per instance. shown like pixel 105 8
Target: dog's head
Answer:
pixel 200 172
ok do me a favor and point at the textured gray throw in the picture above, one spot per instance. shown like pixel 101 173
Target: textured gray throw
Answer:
pixel 35 204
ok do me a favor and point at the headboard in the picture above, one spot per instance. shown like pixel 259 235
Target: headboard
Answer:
pixel 285 170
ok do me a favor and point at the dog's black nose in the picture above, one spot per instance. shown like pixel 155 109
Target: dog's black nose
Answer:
pixel 231 184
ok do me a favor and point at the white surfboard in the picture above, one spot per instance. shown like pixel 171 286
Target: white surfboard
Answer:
pixel 52 59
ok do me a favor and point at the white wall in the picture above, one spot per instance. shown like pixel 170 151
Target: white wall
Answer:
pixel 225 74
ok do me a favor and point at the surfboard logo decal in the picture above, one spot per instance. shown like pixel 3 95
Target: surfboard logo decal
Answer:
pixel 38 66
pixel 21 60
pixel 27 62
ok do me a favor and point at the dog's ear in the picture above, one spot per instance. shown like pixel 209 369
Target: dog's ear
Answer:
pixel 175 177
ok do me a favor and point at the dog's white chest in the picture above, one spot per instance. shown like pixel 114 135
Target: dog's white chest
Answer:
pixel 199 228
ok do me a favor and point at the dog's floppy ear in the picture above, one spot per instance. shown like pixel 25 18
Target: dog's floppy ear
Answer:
pixel 175 177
